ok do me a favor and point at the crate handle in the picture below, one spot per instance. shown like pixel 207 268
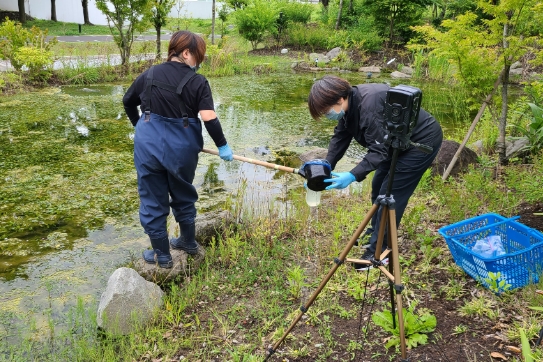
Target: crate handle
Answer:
pixel 486 226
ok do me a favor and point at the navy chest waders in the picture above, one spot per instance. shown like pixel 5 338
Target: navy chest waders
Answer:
pixel 166 155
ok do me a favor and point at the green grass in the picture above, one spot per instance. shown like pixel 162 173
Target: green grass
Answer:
pixel 254 278
pixel 56 28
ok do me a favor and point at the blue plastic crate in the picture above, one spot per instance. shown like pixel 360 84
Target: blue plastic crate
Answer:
pixel 464 226
pixel 521 264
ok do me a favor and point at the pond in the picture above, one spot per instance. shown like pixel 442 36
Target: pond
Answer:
pixel 68 186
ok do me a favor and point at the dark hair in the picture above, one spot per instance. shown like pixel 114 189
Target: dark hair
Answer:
pixel 325 93
pixel 182 40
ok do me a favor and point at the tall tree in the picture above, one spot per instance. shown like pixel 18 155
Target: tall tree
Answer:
pixel 340 10
pixel 53 10
pixel 22 13
pixel 483 48
pixel 394 18
pixel 125 17
pixel 213 22
pixel 159 13
pixel 506 27
pixel 85 4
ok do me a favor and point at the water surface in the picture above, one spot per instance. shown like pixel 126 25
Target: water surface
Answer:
pixel 68 214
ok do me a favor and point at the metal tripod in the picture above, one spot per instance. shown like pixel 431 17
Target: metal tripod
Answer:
pixel 388 217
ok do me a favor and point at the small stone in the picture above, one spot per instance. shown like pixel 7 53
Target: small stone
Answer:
pixel 284 51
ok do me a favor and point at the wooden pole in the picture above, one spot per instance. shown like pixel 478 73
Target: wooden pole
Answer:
pixel 255 162
pixel 472 128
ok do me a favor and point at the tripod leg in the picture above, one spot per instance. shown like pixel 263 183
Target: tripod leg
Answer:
pixel 381 235
pixel 393 237
pixel 337 262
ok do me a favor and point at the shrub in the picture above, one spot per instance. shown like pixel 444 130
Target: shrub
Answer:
pixel 38 62
pixel 297 12
pixel 256 20
pixel 23 47
pixel 298 36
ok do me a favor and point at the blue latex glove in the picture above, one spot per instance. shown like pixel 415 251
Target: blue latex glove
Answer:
pixel 340 180
pixel 225 153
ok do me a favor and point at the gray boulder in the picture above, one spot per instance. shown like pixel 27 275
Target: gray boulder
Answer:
pixel 371 69
pixel 407 70
pixel 515 147
pixel 333 53
pixel 516 65
pixel 321 57
pixel 128 303
pixel 399 75
pixel 446 154
pixel 314 154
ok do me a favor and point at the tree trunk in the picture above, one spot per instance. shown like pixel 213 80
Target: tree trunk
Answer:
pixel 22 13
pixel 351 10
pixel 325 4
pixel 213 23
pixel 53 11
pixel 339 14
pixel 158 50
pixel 503 118
pixel 391 27
pixel 505 82
pixel 85 4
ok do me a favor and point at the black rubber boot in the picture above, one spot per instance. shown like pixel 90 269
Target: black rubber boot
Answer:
pixel 186 241
pixel 160 253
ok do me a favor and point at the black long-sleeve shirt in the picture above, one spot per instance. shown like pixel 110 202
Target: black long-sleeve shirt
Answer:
pixel 364 121
pixel 196 94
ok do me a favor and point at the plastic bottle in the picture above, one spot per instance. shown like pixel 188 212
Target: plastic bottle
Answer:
pixel 312 198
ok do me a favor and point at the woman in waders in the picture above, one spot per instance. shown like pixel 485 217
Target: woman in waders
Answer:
pixel 167 142
pixel 358 112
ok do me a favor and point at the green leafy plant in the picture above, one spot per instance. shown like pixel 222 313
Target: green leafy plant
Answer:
pixel 526 350
pixel 295 279
pixel 496 283
pixel 416 325
pixel 534 131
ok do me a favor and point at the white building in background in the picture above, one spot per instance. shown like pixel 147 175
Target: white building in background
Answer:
pixel 71 11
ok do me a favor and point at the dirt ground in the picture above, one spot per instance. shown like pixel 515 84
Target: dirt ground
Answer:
pixel 446 344
pixel 527 217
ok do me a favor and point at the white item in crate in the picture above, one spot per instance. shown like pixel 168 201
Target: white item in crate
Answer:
pixel 489 247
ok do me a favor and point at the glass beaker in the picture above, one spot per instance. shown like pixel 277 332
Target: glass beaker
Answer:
pixel 312 198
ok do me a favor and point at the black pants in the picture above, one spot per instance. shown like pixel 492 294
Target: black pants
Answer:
pixel 411 165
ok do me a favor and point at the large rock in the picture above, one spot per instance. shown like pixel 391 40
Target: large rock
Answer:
pixel 314 154
pixel 322 58
pixel 208 225
pixel 371 69
pixel 399 75
pixel 183 266
pixel 516 147
pixel 333 53
pixel 128 303
pixel 407 70
pixel 445 155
